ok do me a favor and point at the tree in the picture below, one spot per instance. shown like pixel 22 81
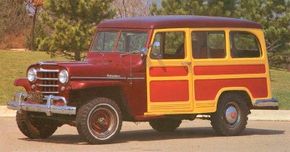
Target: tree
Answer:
pixel 178 7
pixel 274 15
pixel 194 7
pixel 129 8
pixel 67 25
pixel 14 20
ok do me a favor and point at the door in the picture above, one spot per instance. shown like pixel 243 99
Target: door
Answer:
pixel 130 45
pixel 169 73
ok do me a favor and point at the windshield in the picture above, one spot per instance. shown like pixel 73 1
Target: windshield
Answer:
pixel 108 41
pixel 104 41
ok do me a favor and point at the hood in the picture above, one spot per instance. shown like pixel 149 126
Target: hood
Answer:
pixel 84 68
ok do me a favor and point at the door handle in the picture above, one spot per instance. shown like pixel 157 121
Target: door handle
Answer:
pixel 186 63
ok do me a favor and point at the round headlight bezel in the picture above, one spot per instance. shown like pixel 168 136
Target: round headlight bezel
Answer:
pixel 63 76
pixel 31 74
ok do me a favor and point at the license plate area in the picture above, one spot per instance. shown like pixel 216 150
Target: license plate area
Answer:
pixel 35 97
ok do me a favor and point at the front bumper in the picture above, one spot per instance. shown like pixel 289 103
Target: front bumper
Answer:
pixel 49 108
pixel 270 103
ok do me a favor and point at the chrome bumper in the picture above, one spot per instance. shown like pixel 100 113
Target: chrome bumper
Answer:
pixel 49 108
pixel 270 103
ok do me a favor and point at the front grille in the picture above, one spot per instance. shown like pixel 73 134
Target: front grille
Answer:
pixel 47 81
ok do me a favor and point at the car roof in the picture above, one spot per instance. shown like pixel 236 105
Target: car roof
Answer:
pixel 177 21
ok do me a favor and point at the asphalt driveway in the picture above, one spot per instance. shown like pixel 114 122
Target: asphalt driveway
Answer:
pixel 191 136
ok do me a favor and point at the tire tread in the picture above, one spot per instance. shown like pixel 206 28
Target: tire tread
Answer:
pixel 81 120
pixel 218 124
pixel 32 131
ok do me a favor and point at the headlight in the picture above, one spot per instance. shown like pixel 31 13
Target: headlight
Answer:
pixel 31 74
pixel 63 76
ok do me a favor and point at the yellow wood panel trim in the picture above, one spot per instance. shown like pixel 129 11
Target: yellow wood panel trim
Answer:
pixel 230 76
pixel 205 106
pixel 167 113
pixel 245 61
pixel 170 107
pixel 169 78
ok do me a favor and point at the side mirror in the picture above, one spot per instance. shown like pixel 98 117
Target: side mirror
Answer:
pixel 143 54
pixel 144 51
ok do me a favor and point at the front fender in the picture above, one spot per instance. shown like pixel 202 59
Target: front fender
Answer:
pixel 23 82
pixel 76 85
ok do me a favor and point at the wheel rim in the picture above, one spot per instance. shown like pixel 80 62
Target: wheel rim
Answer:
pixel 232 114
pixel 102 122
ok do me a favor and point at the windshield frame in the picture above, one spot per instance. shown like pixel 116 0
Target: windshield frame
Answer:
pixel 119 33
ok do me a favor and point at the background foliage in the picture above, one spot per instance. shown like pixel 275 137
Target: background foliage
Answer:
pixel 13 21
pixel 70 24
pixel 66 26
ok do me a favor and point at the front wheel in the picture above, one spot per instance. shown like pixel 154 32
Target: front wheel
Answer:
pixel 99 121
pixel 35 128
pixel 231 116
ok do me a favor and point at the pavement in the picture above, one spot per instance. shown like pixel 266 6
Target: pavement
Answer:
pixel 265 115
pixel 191 136
pixel 5 112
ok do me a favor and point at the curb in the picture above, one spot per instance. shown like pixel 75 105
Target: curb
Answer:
pixel 265 115
pixel 272 115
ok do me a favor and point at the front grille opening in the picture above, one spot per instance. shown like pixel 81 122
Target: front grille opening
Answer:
pixel 47 82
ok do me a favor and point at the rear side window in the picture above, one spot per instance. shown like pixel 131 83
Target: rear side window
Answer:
pixel 208 44
pixel 168 45
pixel 244 45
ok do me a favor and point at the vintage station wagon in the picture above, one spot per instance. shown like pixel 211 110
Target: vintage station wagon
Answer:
pixel 161 69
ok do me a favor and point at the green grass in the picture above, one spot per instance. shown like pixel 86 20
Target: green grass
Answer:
pixel 14 64
pixel 280 81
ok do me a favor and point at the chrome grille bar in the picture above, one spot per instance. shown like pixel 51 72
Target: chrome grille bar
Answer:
pixel 47 78
pixel 46 70
pixel 47 63
pixel 49 92
pixel 47 85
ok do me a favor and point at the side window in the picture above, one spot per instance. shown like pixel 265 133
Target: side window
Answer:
pixel 244 45
pixel 168 45
pixel 132 41
pixel 208 44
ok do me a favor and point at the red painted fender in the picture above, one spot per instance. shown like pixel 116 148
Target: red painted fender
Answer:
pixel 23 82
pixel 76 85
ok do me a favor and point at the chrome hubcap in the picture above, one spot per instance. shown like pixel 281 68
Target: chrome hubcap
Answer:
pixel 231 114
pixel 102 123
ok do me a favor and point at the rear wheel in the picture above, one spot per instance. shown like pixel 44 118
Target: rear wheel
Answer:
pixel 99 121
pixel 35 128
pixel 165 124
pixel 231 115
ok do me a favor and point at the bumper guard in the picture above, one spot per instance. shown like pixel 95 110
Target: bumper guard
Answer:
pixel 49 108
